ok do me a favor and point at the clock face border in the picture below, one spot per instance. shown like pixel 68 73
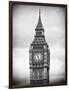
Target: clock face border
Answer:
pixel 37 57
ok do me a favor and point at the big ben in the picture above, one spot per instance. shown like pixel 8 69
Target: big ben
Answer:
pixel 39 56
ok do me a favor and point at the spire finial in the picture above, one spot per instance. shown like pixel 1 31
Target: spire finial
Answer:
pixel 39 11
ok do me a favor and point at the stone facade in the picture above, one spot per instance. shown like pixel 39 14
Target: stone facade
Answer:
pixel 39 56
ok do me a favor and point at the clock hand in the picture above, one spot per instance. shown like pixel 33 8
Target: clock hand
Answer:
pixel 38 57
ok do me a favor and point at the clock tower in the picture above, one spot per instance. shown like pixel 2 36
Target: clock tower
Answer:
pixel 39 56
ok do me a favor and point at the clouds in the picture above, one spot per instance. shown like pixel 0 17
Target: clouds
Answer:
pixel 25 19
pixel 21 72
pixel 57 60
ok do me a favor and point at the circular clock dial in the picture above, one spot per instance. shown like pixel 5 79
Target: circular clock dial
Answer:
pixel 38 57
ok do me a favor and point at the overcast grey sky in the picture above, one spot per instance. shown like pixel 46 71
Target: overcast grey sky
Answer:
pixel 25 19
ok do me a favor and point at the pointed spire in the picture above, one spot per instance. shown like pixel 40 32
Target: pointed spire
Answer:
pixel 39 12
pixel 39 25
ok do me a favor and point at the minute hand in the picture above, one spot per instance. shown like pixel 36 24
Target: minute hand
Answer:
pixel 38 57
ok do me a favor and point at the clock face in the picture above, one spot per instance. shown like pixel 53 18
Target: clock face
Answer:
pixel 38 57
